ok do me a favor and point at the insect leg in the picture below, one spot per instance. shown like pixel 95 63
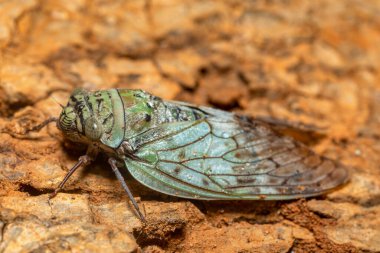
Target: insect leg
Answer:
pixel 115 169
pixel 83 160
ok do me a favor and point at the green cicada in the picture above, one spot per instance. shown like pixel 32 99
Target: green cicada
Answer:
pixel 192 151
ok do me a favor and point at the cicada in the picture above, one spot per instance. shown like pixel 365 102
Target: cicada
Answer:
pixel 190 151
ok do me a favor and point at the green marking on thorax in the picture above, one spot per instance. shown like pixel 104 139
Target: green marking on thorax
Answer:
pixel 138 113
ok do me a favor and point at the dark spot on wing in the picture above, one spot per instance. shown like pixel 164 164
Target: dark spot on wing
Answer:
pixel 245 180
pixel 243 154
pixel 181 155
pixel 205 182
pixel 274 181
pixel 177 170
pixel 148 118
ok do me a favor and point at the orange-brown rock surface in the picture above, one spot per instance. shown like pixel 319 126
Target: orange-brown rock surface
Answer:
pixel 314 62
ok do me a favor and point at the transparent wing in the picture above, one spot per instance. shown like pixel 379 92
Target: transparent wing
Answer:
pixel 225 156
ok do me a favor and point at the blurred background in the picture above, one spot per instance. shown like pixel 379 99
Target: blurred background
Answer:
pixel 311 62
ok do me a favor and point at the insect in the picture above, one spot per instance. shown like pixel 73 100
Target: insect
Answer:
pixel 192 151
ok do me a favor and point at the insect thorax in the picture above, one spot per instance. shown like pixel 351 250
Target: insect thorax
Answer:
pixel 144 111
pixel 112 116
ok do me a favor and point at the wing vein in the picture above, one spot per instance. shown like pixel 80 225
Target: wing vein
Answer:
pixel 166 136
pixel 187 144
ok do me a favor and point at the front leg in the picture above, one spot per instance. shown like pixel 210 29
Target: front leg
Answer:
pixel 83 160
pixel 112 162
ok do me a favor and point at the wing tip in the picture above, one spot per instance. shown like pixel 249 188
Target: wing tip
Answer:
pixel 339 177
pixel 336 179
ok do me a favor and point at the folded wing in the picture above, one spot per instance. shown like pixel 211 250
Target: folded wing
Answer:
pixel 225 156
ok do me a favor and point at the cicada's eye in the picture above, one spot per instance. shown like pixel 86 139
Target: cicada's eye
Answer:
pixel 93 129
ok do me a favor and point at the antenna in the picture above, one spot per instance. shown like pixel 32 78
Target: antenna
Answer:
pixel 55 100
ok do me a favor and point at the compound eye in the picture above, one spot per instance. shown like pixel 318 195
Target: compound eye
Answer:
pixel 93 129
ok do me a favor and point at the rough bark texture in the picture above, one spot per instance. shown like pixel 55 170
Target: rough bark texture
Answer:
pixel 315 62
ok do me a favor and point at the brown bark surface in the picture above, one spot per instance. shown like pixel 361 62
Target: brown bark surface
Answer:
pixel 315 62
